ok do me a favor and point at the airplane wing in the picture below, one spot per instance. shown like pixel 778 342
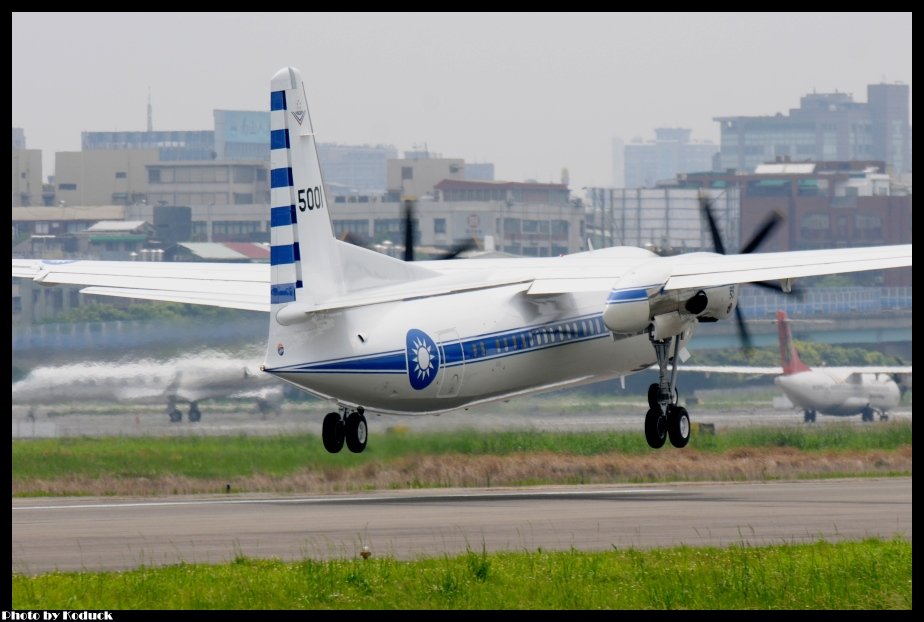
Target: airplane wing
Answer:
pixel 245 286
pixel 776 371
pixel 734 369
pixel 708 269
pixel 871 369
pixel 231 285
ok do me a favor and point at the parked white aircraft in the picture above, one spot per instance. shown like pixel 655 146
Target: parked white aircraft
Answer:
pixel 371 332
pixel 187 380
pixel 839 391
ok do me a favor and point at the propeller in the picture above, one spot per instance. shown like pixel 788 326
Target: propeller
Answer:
pixel 763 232
pixel 408 230
pixel 453 252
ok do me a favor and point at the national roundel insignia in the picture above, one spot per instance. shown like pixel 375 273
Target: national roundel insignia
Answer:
pixel 423 359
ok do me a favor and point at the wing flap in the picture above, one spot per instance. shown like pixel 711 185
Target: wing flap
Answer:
pixel 243 301
pixel 406 291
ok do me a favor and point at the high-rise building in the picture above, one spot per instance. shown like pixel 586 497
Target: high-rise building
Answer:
pixel 355 168
pixel 27 172
pixel 19 138
pixel 891 132
pixel 671 153
pixel 825 127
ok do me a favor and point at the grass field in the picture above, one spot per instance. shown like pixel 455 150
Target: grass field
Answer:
pixel 872 574
pixel 169 465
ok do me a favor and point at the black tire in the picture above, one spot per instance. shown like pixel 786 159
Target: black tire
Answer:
pixel 332 433
pixel 678 426
pixel 654 391
pixel 356 432
pixel 194 414
pixel 810 416
pixel 655 428
pixel 175 415
pixel 868 414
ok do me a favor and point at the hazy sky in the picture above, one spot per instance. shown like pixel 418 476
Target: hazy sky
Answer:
pixel 531 93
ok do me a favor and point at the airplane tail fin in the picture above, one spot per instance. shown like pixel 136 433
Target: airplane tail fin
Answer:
pixel 305 265
pixel 789 358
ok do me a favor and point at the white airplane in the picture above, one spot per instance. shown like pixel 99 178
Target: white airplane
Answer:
pixel 374 333
pixel 839 391
pixel 187 380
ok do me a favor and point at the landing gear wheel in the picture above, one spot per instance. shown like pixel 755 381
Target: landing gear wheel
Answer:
pixel 883 417
pixel 678 426
pixel 175 415
pixel 356 432
pixel 868 414
pixel 655 428
pixel 332 432
pixel 810 416
pixel 194 413
pixel 653 394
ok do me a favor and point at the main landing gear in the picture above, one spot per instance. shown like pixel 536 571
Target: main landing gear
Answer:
pixel 176 415
pixel 173 412
pixel 869 414
pixel 346 425
pixel 665 417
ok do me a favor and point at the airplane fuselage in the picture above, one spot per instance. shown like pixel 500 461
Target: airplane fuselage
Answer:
pixel 184 380
pixel 830 393
pixel 441 353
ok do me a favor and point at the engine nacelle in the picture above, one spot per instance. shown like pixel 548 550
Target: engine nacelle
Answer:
pixel 720 302
pixel 628 307
pixel 627 312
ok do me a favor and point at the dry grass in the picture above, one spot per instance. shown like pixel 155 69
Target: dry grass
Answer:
pixel 508 470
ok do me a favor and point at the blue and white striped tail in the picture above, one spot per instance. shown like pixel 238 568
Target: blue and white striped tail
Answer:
pixel 304 256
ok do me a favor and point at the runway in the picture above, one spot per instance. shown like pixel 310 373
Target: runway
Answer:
pixel 151 421
pixel 93 534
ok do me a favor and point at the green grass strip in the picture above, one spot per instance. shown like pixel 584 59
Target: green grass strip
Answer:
pixel 869 574
pixel 239 456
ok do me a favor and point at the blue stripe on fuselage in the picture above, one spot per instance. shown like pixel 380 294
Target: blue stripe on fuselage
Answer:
pixel 488 346
pixel 626 295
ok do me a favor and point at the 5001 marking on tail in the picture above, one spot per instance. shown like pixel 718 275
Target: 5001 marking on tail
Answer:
pixel 310 198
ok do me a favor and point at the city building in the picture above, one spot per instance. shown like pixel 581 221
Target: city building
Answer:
pixel 41 231
pixel 169 145
pixel 19 138
pixel 27 177
pixel 103 176
pixel 667 220
pixel 825 127
pixel 823 204
pixel 670 153
pixel 356 169
pixel 417 173
pixel 520 218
